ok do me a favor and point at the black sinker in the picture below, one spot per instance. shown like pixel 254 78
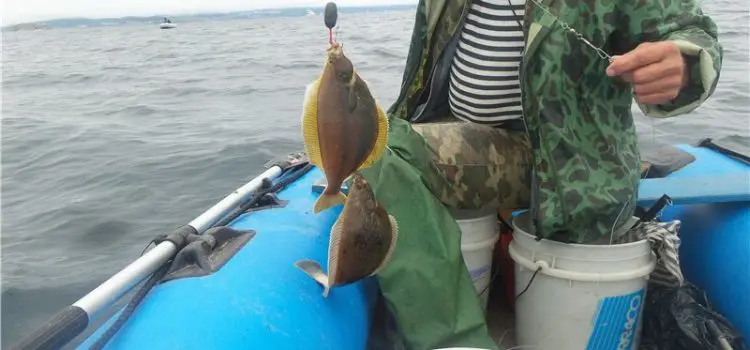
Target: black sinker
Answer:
pixel 330 15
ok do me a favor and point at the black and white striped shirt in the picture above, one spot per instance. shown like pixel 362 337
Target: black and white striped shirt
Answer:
pixel 484 85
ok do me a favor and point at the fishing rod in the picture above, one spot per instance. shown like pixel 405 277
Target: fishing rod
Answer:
pixel 74 319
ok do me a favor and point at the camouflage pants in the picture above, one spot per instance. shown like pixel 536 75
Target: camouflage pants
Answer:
pixel 484 166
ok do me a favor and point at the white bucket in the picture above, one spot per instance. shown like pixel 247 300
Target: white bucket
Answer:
pixel 478 238
pixel 584 296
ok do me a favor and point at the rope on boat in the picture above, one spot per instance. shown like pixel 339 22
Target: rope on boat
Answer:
pixel 294 175
pixel 294 172
pixel 130 308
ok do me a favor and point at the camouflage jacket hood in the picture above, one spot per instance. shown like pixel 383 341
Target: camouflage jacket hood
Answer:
pixel 579 121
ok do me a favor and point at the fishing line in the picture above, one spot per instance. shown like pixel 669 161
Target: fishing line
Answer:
pixel 130 308
pixel 492 279
pixel 529 284
pixel 502 337
pixel 617 219
pixel 599 51
pixel 653 132
pixel 497 262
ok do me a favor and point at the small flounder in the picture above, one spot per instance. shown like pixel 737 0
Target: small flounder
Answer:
pixel 344 128
pixel 362 240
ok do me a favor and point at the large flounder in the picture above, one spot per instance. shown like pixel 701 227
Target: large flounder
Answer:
pixel 343 127
pixel 362 240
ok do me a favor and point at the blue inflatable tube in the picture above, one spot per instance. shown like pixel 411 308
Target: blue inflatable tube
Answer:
pixel 715 239
pixel 258 299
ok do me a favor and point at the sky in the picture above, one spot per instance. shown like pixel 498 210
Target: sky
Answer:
pixel 19 11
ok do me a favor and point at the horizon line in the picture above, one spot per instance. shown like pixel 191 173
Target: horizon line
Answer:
pixel 186 13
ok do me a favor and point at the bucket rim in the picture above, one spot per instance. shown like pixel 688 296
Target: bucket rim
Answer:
pixel 481 244
pixel 582 276
pixel 478 218
pixel 526 214
pixel 465 215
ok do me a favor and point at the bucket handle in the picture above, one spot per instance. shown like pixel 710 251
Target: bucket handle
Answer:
pixel 580 276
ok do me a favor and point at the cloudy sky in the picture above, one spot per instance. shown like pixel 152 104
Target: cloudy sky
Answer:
pixel 16 11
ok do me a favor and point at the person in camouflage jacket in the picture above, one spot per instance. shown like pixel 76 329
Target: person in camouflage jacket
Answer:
pixel 574 162
pixel 583 142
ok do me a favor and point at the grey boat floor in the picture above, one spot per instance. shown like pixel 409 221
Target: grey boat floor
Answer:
pixel 500 318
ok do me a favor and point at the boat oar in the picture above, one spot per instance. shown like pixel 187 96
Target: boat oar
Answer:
pixel 71 321
pixel 696 190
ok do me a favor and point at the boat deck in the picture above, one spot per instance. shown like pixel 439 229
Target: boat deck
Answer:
pixel 500 318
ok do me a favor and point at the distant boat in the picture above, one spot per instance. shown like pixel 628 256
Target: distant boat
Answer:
pixel 310 13
pixel 167 24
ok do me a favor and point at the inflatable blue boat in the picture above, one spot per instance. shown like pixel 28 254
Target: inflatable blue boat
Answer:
pixel 715 237
pixel 232 283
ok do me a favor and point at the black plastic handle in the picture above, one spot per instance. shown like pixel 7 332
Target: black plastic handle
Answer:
pixel 57 331
pixel 330 15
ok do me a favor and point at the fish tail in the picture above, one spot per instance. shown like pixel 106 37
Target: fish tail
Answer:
pixel 310 124
pixel 349 178
pixel 315 271
pixel 391 248
pixel 334 248
pixel 382 140
pixel 326 201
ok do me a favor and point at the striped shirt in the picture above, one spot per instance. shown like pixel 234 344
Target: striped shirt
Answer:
pixel 484 85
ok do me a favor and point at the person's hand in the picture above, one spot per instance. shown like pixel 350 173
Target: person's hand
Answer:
pixel 657 71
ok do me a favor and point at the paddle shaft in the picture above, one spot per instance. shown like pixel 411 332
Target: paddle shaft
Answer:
pixel 71 321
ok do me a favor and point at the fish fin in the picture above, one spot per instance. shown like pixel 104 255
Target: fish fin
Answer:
pixel 310 124
pixel 348 178
pixel 326 201
pixel 352 94
pixel 381 142
pixel 315 271
pixel 334 248
pixel 391 248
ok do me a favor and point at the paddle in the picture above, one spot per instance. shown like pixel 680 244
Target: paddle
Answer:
pixel 71 321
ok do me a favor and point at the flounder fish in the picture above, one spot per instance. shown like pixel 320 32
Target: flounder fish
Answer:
pixel 362 240
pixel 344 128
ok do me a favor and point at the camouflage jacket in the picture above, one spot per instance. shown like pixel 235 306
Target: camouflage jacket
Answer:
pixel 579 121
